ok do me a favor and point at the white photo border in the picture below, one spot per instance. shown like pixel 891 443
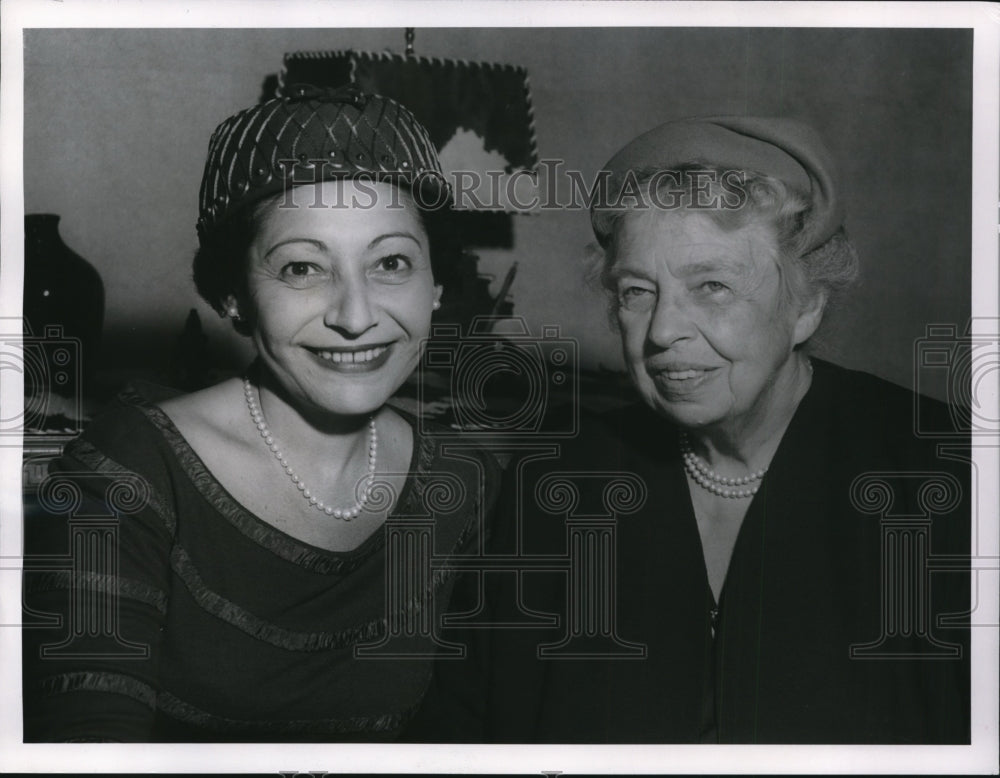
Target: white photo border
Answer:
pixel 980 757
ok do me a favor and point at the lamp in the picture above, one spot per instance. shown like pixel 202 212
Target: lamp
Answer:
pixel 478 114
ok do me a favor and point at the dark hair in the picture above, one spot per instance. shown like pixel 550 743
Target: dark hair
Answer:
pixel 219 266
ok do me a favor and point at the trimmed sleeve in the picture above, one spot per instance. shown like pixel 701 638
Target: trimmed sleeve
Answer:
pixel 96 586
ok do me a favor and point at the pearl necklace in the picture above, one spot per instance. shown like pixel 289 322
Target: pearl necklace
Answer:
pixel 338 513
pixel 708 479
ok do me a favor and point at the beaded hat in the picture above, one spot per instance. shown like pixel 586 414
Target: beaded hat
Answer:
pixel 316 134
pixel 786 149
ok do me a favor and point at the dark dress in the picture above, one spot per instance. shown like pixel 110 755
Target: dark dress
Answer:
pixel 830 626
pixel 223 627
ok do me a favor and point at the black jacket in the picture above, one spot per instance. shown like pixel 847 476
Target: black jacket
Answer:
pixel 840 620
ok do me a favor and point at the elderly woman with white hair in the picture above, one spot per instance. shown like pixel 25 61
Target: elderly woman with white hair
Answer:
pixel 774 585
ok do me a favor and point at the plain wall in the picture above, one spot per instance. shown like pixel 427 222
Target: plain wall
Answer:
pixel 117 124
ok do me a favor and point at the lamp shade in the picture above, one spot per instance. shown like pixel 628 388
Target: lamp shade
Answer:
pixel 478 115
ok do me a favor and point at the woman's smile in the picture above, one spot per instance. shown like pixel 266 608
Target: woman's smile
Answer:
pixel 354 360
pixel 672 382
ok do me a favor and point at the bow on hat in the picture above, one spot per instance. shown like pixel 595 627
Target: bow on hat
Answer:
pixel 786 149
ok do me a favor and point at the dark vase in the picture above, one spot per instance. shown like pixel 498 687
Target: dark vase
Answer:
pixel 63 308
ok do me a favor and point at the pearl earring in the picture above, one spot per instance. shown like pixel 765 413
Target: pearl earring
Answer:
pixel 436 305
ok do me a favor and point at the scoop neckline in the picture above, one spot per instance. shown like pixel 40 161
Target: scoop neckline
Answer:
pixel 216 493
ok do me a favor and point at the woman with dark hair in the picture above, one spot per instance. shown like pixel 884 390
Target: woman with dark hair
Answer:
pixel 250 575
pixel 770 579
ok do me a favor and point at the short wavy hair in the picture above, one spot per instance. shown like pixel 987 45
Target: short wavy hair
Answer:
pixel 831 268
